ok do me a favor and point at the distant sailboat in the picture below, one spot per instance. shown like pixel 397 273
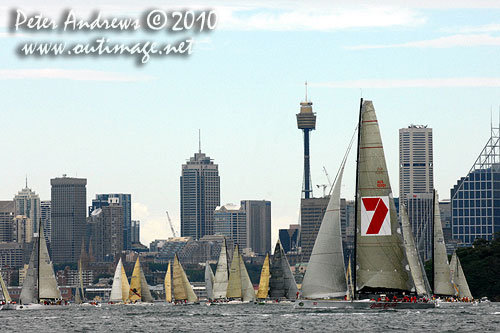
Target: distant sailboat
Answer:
pixel 139 288
pixel 264 280
pixel 442 273
pixel 221 274
pixel 120 288
pixel 168 284
pixel 458 278
pixel 239 287
pixel 40 285
pixel 209 281
pixel 5 291
pixel 416 268
pixel 182 288
pixel 282 282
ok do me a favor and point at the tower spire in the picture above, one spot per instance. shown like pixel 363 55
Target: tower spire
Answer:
pixel 26 180
pixel 306 91
pixel 199 140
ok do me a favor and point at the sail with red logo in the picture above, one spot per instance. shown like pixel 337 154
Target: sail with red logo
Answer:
pixel 381 264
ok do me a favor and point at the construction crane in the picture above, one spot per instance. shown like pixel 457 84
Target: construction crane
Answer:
pixel 324 186
pixel 327 177
pixel 171 226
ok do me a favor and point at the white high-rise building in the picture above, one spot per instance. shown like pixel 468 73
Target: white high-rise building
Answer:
pixel 416 182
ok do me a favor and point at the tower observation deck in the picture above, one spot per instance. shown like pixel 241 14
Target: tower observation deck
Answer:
pixel 306 121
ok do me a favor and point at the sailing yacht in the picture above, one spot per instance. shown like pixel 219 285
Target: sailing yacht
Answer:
pixel 239 287
pixel 221 278
pixel 183 292
pixel 263 292
pixel 6 297
pixel 458 279
pixel 381 274
pixel 120 288
pixel 209 281
pixel 40 290
pixel 139 293
pixel 168 284
pixel 282 285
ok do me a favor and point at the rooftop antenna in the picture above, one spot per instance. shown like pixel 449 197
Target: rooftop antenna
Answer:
pixel 26 180
pixel 199 140
pixel 306 91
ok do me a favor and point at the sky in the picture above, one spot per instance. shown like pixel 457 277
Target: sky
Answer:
pixel 128 128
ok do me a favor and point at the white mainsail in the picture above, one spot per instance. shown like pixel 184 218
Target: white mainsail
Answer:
pixel 411 253
pixel 325 276
pixel 380 258
pixel 116 289
pixel 209 281
pixel 458 277
pixel 5 291
pixel 442 273
pixel 221 274
pixel 47 282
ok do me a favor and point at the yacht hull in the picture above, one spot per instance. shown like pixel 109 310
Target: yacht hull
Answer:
pixel 368 305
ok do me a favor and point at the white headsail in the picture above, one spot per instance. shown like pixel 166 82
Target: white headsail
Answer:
pixel 209 281
pixel 442 273
pixel 458 277
pixel 221 274
pixel 47 283
pixel 416 271
pixel 325 276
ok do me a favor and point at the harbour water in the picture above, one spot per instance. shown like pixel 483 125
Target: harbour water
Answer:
pixel 249 318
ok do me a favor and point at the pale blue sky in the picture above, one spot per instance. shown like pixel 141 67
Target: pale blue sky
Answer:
pixel 128 128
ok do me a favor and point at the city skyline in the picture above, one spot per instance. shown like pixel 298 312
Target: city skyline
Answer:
pixel 127 128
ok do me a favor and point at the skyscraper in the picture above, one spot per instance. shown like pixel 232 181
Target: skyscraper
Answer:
pixel 135 231
pixel 200 195
pixel 231 221
pixel 416 183
pixel 68 211
pixel 28 204
pixel 46 219
pixel 258 224
pixel 7 209
pixel 311 216
pixel 125 201
pixel 475 199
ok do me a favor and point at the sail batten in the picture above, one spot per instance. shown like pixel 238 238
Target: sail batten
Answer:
pixel 325 276
pixel 380 258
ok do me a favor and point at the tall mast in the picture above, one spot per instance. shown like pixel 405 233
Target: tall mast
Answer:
pixel 38 269
pixel 356 202
pixel 433 240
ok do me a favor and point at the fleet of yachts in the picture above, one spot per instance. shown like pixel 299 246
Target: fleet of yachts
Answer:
pixel 387 272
